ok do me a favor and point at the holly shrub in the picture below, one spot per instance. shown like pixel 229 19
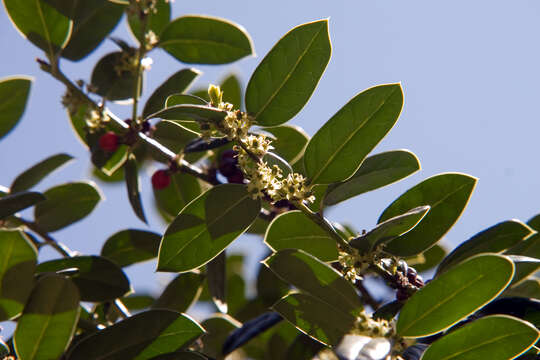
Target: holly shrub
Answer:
pixel 229 164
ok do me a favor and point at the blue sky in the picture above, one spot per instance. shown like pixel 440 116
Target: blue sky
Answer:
pixel 469 70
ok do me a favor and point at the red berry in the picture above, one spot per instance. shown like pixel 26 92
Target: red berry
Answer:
pixel 161 179
pixel 109 141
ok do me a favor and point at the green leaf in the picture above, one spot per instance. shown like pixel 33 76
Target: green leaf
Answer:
pixel 232 91
pixel 525 267
pixel 206 226
pixel 428 259
pixel 177 83
pixel 97 278
pixel 529 247
pixel 77 120
pixel 270 288
pixel 454 295
pixel 181 191
pixel 216 274
pixel 111 81
pixel 493 337
pixel 447 194
pixel 40 23
pixel 113 162
pixel 181 355
pixel 36 173
pixel 131 246
pixel 139 337
pixel 493 240
pixel 49 319
pixel 182 292
pixel 375 172
pixel 315 318
pixel 290 142
pixel 92 22
pixel 17 263
pixel 529 288
pixel 14 93
pixel 65 205
pixel 189 112
pixel 138 302
pixel 272 159
pixel 390 229
pixel 10 204
pixel 133 189
pixel 355 130
pixel 218 328
pixel 4 349
pixel 182 99
pixel 205 40
pixel 287 76
pixel 156 20
pixel 295 230
pixel 314 277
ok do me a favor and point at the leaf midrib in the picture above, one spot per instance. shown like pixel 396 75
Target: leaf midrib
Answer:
pixel 348 139
pixel 205 227
pixel 287 77
pixel 200 41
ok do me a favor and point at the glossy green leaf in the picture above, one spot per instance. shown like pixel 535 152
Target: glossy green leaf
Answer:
pixel 375 172
pixel 97 278
pixel 181 355
pixel 529 288
pixel 390 229
pixel 112 81
pixel 10 204
pixel 36 173
pixel 314 277
pixel 315 318
pixel 49 319
pixel 529 247
pixel 216 276
pixel 287 76
pixel 454 295
pixel 232 91
pixel 218 327
pixel 41 23
pixel 272 159
pixel 133 188
pixel 525 267
pixel 65 205
pixel 492 337
pixel 447 194
pixel 131 246
pixel 180 293
pixel 181 191
pixel 493 240
pixel 205 40
pixel 17 263
pixel 140 337
pixel 290 142
pixel 182 99
pixel 92 22
pixel 354 131
pixel 189 112
pixel 138 302
pixel 270 288
pixel 77 120
pixel 14 93
pixel 206 226
pixel 113 162
pixel 177 83
pixel 294 230
pixel 428 259
pixel 156 20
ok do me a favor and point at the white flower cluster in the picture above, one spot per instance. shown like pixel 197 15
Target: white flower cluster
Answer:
pixel 76 105
pixel 366 325
pixel 264 180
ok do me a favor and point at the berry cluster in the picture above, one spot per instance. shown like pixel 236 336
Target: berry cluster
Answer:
pixel 407 280
pixel 228 167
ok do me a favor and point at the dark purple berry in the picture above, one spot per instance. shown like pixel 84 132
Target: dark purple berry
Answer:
pixel 236 178
pixel 228 163
pixel 402 295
